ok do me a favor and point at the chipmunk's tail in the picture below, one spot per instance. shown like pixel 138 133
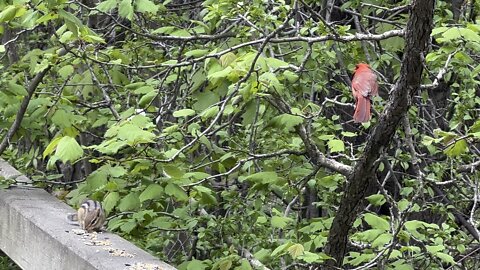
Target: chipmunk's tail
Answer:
pixel 72 218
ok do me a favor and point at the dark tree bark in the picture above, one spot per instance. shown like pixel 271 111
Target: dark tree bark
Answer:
pixel 362 182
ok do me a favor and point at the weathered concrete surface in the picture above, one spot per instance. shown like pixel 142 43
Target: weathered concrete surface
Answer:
pixel 36 235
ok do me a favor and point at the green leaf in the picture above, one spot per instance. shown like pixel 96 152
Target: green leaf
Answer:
pixel 280 249
pixel 227 59
pixel 290 76
pixel 220 74
pixel 125 9
pixel 330 181
pixel 129 202
pixel 133 134
pixel 310 257
pixel 296 250
pixel 458 148
pixel 263 177
pixel 183 113
pixel 376 199
pixel 8 13
pixel 445 257
pixel 412 227
pixel 146 6
pixel 17 89
pixel 336 146
pixel 196 53
pixel 153 191
pixel 176 191
pixel 210 112
pixel 51 147
pixel 271 81
pixel 146 99
pixel 106 6
pixel 376 222
pixel 110 201
pixel 65 71
pixel 196 264
pixel 286 121
pixel 280 222
pixel 68 149
pixel 403 204
pixel 62 119
pixel 276 63
pixel 172 171
pixel 382 240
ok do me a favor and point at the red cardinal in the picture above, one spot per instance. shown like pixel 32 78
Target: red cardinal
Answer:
pixel 364 86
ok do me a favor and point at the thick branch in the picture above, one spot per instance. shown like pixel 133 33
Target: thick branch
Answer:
pixel 362 181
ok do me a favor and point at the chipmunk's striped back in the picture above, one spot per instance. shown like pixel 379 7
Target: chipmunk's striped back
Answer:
pixel 90 216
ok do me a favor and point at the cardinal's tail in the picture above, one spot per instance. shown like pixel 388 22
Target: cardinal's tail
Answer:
pixel 362 110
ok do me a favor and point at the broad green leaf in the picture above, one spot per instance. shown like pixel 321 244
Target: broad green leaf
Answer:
pixel 296 250
pixel 196 53
pixel 271 81
pixel 376 222
pixel 129 202
pixel 290 76
pixel 147 99
pixel 146 6
pixel 128 226
pixel 68 149
pixel 51 146
pixel 146 89
pixel 8 13
pixel 133 135
pixel 403 204
pixel 17 89
pixel 65 71
pixel 382 240
pixel 412 227
pixel 376 199
pixel 210 112
pixel 220 74
pixel 153 191
pixel 172 171
pixel 458 148
pixel 176 191
pixel 445 257
pixel 336 146
pixel 227 59
pixel 286 121
pixel 196 265
pixel 263 177
pixel 62 119
pixel 125 9
pixel 106 6
pixel 310 257
pixel 280 222
pixel 276 63
pixel 183 113
pixel 110 201
pixel 116 171
pixel 330 181
pixel 281 249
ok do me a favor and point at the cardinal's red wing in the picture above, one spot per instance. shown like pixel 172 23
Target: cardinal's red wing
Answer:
pixel 365 83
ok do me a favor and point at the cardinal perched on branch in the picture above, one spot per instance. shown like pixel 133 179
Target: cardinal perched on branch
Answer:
pixel 364 86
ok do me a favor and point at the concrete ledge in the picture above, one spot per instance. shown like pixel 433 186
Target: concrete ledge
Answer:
pixel 35 234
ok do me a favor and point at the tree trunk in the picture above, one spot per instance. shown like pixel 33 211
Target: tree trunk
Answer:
pixel 362 182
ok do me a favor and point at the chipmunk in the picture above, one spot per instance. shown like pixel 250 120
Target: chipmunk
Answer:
pixel 90 216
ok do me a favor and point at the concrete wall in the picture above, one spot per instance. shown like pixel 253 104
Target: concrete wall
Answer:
pixel 35 234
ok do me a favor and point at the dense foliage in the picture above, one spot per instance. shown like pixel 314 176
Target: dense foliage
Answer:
pixel 218 134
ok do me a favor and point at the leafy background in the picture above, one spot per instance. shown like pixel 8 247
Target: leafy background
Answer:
pixel 194 122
